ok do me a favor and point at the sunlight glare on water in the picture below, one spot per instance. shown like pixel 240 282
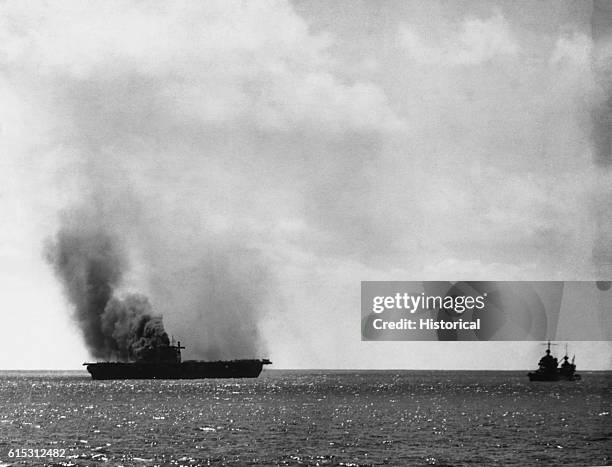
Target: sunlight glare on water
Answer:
pixel 309 418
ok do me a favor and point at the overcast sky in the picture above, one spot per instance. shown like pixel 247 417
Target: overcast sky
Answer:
pixel 259 159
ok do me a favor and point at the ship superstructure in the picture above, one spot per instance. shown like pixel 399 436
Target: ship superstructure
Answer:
pixel 549 369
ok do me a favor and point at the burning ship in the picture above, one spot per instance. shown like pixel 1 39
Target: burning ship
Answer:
pixel 91 263
pixel 164 362
pixel 548 369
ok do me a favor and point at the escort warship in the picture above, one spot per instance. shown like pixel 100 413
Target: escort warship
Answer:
pixel 549 369
pixel 164 362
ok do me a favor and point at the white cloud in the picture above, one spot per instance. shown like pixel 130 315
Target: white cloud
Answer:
pixel 219 61
pixel 477 41
pixel 574 50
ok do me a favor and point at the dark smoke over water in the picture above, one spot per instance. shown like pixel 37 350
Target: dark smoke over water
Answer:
pixel 90 264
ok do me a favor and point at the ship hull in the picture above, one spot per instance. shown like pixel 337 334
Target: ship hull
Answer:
pixel 537 376
pixel 183 370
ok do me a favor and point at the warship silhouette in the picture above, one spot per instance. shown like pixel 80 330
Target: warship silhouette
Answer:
pixel 548 369
pixel 164 362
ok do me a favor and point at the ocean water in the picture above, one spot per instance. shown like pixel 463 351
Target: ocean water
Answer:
pixel 351 418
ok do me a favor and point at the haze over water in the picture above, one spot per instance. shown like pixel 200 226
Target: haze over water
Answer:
pixel 351 418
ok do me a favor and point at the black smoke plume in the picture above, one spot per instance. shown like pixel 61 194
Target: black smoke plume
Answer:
pixel 90 264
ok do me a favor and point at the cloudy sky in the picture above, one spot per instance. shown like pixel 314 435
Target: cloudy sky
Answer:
pixel 257 160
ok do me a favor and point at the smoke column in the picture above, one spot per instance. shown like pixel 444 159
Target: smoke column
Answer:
pixel 90 264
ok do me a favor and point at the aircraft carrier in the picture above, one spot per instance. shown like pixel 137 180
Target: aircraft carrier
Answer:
pixel 165 363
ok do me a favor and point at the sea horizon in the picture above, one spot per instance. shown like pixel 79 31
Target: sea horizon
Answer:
pixel 330 370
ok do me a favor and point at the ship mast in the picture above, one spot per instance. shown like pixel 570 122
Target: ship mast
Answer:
pixel 178 348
